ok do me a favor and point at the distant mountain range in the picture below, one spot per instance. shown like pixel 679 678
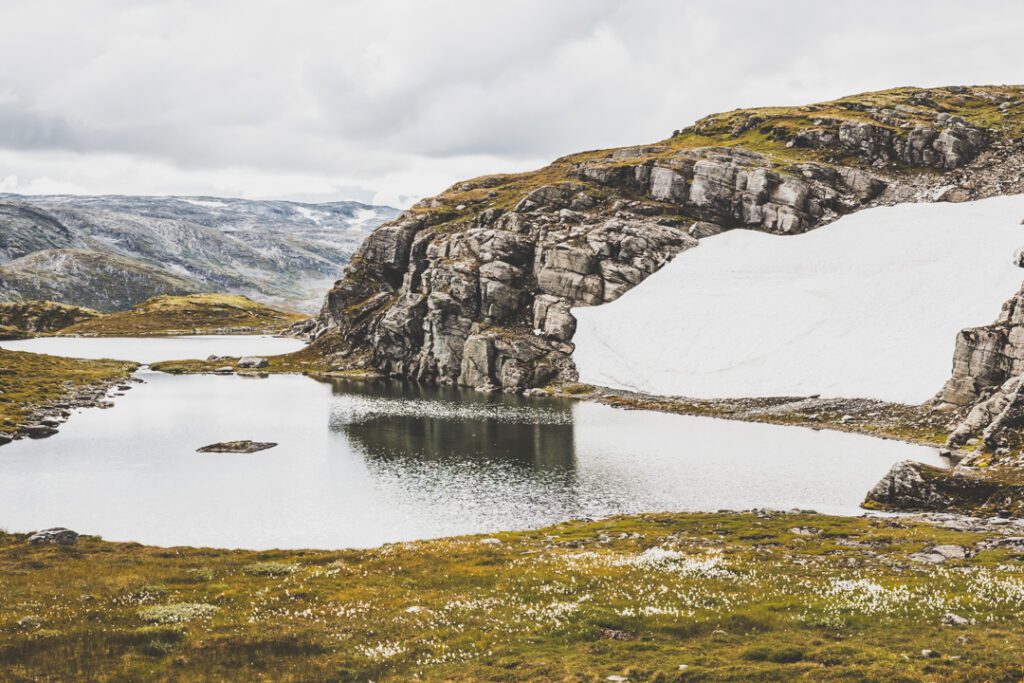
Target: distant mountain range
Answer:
pixel 111 252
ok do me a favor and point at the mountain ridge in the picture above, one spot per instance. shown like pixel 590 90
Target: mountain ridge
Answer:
pixel 281 252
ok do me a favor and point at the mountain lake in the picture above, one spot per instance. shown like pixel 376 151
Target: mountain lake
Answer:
pixel 360 463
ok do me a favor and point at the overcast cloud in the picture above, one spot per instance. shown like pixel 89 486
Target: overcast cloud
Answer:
pixel 391 100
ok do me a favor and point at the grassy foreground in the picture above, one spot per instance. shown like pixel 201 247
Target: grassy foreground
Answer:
pixel 31 382
pixel 654 598
pixel 191 314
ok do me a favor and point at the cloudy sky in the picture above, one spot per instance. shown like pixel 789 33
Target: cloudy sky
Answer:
pixel 391 100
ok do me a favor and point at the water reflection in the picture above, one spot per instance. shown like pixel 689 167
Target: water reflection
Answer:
pixel 365 463
pixel 397 421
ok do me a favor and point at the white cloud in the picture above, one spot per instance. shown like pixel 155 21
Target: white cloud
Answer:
pixel 399 99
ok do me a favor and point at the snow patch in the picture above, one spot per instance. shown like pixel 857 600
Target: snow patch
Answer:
pixel 315 216
pixel 868 306
pixel 205 202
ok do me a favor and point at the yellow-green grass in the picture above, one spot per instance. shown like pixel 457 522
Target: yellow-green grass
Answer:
pixel 323 356
pixel 194 313
pixel 765 130
pixel 727 596
pixel 31 380
pixel 26 319
pixel 11 332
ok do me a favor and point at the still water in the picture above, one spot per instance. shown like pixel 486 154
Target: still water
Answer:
pixel 364 463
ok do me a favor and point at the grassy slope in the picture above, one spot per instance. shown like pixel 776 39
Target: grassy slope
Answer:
pixel 764 130
pixel 183 314
pixel 314 358
pixel 41 316
pixel 732 596
pixel 28 380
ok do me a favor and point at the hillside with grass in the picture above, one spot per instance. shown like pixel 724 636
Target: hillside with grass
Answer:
pixel 111 252
pixel 20 320
pixel 658 598
pixel 191 314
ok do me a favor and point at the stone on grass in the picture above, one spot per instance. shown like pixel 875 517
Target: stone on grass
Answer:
pixel 950 619
pixel 939 553
pixel 57 534
pixel 252 362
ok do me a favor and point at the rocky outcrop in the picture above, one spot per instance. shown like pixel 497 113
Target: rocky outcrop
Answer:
pixel 914 486
pixel 246 446
pixel 987 384
pixel 475 287
pixel 57 535
pixel 986 357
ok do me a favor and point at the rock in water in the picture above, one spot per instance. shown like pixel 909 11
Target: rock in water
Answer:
pixel 57 534
pixel 40 431
pixel 246 446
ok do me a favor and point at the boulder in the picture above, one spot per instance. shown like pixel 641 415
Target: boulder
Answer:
pixel 702 229
pixel 40 431
pixel 252 362
pixel 55 535
pixel 551 317
pixel 246 446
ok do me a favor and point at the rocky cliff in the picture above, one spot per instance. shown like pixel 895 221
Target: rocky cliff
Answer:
pixel 474 287
pixel 986 390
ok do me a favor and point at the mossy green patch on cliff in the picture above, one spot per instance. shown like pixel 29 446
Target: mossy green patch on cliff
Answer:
pixel 667 597
pixel 31 380
pixel 191 314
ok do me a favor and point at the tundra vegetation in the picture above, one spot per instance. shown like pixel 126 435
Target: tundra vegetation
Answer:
pixel 665 597
pixel 191 314
pixel 32 382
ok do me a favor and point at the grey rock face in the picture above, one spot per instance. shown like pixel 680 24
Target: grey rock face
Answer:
pixel 988 365
pixel 56 535
pixel 478 291
pixel 907 487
